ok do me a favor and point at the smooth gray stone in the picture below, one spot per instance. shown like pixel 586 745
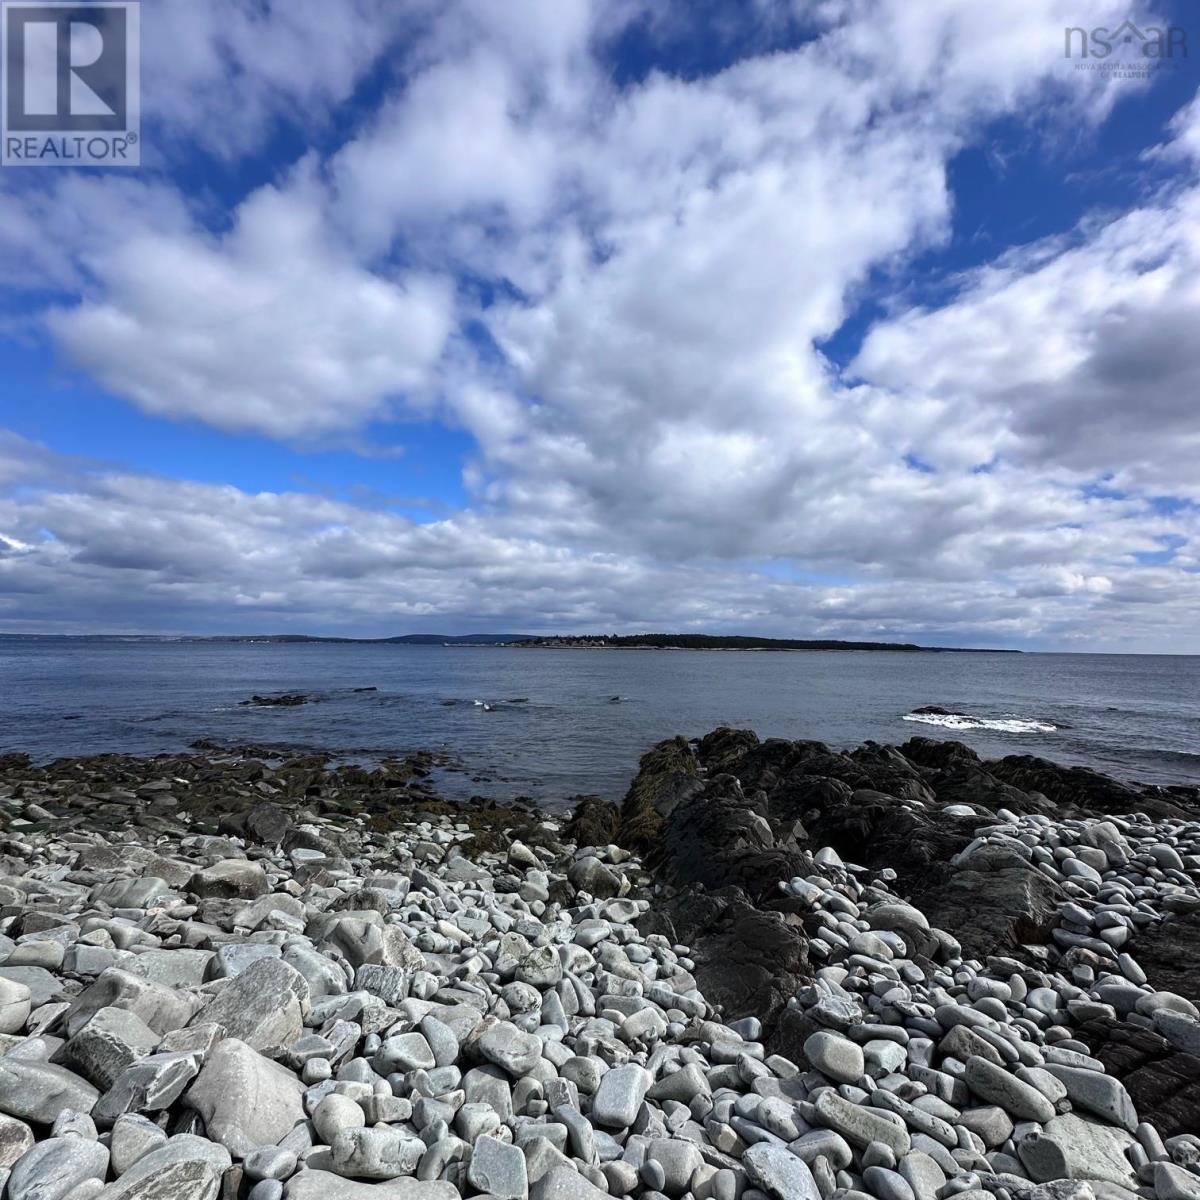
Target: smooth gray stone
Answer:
pixel 38 1092
pixel 990 1123
pixel 1103 1095
pixel 323 976
pixel 620 1095
pixel 1171 1183
pixel 835 1056
pixel 383 1152
pixel 89 1189
pixel 404 1053
pixel 73 1124
pixel 1071 1148
pixel 133 1137
pixel 230 878
pixel 996 1085
pixel 887 1184
pixel 678 1160
pixel 111 1041
pixel 186 1167
pixel 55 1167
pixel 506 1046
pixel 441 1040
pixel 476 1120
pixel 498 1168
pixel 923 1174
pixel 245 1100
pixel 580 1136
pixel 1181 1030
pixel 269 1162
pixel 263 1007
pixel 823 1143
pixel 683 1085
pixel 562 1183
pixel 323 1185
pixel 778 1172
pixel 335 1114
pixel 653 1174
pixel 15 1004
pixel 861 1125
pixel 43 986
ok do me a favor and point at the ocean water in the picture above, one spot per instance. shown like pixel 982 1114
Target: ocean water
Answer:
pixel 550 725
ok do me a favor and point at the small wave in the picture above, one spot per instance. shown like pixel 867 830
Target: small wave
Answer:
pixel 945 719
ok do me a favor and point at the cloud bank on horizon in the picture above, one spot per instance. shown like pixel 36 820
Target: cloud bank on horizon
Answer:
pixel 847 319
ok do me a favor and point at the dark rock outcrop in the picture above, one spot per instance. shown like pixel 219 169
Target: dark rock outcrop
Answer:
pixel 264 823
pixel 996 902
pixel 594 822
pixel 748 961
pixel 1170 955
pixel 719 838
pixel 1082 788
pixel 667 774
pixel 1163 1083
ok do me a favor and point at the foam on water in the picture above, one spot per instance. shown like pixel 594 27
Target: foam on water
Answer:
pixel 963 721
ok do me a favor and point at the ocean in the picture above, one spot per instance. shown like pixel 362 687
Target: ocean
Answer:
pixel 553 723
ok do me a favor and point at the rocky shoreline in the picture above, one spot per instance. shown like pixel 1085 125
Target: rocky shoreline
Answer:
pixel 774 972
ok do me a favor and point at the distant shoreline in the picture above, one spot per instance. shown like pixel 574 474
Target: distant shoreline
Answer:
pixel 651 641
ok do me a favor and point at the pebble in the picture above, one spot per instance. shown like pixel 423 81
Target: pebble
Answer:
pixel 374 1016
pixel 835 1056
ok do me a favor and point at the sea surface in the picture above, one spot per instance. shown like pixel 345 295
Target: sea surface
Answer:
pixel 554 723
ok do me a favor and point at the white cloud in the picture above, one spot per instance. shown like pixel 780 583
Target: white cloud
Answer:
pixel 271 328
pixel 225 75
pixel 83 547
pixel 658 264
pixel 1077 353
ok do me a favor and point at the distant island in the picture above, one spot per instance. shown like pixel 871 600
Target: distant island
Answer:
pixel 706 641
pixel 525 641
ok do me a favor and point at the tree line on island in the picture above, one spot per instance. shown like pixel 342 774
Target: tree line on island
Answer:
pixel 586 641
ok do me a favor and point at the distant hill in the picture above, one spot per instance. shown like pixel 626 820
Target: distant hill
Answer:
pixel 407 639
pixel 583 641
pixel 705 641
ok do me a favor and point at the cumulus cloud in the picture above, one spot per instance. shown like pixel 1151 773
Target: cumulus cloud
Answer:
pixel 226 75
pixel 1076 353
pixel 621 290
pixel 271 327
pixel 81 544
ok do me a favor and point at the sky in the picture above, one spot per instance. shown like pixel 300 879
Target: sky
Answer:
pixel 828 318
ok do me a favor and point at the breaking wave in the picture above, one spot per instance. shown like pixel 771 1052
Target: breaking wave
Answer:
pixel 1008 723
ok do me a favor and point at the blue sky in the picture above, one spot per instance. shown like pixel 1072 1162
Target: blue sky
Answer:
pixel 833 320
